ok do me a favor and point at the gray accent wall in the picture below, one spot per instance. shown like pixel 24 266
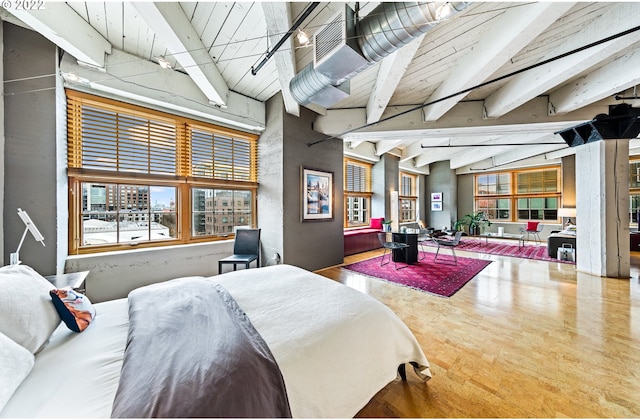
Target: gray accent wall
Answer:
pixel 384 179
pixel 442 179
pixel 465 195
pixel 569 181
pixel 310 245
pixel 30 145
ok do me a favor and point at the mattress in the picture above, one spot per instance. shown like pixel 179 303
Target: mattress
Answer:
pixel 336 348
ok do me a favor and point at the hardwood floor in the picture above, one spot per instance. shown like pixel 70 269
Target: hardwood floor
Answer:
pixel 523 339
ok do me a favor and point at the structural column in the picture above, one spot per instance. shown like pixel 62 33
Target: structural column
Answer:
pixel 602 195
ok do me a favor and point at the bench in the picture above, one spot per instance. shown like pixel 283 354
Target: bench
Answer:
pixel 362 239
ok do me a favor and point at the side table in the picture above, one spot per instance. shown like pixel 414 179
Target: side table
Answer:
pixel 75 280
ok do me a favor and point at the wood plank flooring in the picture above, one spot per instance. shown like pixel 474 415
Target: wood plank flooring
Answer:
pixel 523 339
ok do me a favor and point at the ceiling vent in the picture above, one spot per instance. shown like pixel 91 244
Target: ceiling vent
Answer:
pixel 344 47
pixel 336 54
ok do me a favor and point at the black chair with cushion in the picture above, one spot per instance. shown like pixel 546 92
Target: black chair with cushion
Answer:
pixel 391 246
pixel 448 243
pixel 246 249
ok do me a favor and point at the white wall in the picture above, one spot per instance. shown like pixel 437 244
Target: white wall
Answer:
pixel 2 142
pixel 114 274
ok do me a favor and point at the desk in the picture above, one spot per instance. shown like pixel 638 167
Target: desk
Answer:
pixel 410 254
pixel 75 280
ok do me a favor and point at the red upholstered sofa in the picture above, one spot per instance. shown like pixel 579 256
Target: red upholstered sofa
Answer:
pixel 361 239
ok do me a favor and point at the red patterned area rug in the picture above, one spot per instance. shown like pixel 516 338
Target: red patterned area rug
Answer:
pixel 442 278
pixel 529 251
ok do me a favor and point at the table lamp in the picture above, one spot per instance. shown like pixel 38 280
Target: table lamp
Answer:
pixel 567 213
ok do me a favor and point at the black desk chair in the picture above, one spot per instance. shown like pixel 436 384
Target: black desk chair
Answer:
pixel 246 249
pixel 382 237
pixel 450 244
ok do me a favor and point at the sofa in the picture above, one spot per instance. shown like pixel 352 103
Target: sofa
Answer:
pixel 362 239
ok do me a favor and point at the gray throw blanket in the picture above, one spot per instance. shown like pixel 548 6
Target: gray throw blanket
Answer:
pixel 192 352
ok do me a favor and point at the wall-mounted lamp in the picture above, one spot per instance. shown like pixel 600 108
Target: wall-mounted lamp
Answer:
pixel 303 38
pixel 567 213
pixel 14 258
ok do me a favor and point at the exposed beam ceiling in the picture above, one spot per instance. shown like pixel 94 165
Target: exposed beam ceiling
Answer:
pixel 278 18
pixel 170 23
pixel 62 26
pixel 507 35
pixel 492 49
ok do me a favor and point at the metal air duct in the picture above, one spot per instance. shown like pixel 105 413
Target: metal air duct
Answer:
pixel 338 58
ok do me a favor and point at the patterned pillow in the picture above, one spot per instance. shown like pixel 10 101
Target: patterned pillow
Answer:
pixel 74 308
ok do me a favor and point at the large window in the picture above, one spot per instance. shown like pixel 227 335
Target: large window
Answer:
pixel 357 192
pixel 519 196
pixel 146 178
pixel 408 197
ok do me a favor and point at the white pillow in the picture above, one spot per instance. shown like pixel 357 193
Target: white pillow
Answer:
pixel 27 314
pixel 15 364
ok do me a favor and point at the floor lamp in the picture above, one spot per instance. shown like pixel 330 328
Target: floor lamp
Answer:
pixel 14 258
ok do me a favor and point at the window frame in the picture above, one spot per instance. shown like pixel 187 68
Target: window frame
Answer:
pixel 365 194
pixel 183 179
pixel 513 195
pixel 411 199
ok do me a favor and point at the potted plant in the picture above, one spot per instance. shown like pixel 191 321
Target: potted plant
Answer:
pixel 476 221
pixel 387 225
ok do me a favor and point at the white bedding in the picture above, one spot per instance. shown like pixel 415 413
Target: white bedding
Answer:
pixel 335 346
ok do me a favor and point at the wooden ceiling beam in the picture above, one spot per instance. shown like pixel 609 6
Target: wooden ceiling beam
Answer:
pixel 599 84
pixel 391 71
pixel 61 25
pixel 278 18
pixel 533 83
pixel 505 37
pixel 170 23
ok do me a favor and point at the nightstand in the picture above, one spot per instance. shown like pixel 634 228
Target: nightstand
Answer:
pixel 75 280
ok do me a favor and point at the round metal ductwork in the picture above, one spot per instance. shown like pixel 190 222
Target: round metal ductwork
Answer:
pixel 387 28
pixel 392 25
pixel 307 83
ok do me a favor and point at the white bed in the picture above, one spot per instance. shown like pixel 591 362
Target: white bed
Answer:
pixel 335 346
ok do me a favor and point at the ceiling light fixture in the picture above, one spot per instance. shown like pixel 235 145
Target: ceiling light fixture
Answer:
pixel 74 78
pixel 164 63
pixel 291 31
pixel 303 38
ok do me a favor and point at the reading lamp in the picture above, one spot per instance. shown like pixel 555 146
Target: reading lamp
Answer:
pixel 14 258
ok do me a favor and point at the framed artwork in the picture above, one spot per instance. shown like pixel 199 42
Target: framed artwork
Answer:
pixel 436 196
pixel 436 206
pixel 317 195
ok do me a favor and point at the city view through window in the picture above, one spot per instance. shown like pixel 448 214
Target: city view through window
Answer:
pixel 114 213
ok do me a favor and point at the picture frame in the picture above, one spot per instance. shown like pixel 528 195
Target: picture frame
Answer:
pixel 436 196
pixel 316 195
pixel 436 206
